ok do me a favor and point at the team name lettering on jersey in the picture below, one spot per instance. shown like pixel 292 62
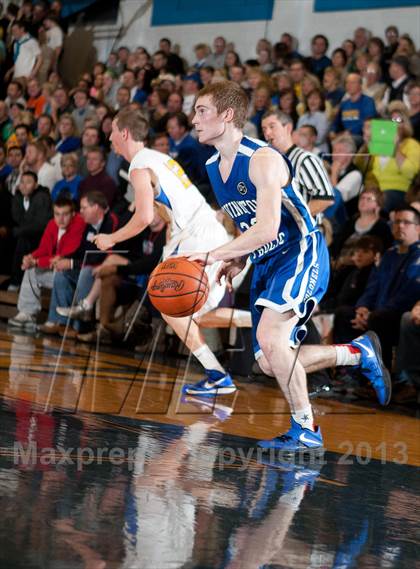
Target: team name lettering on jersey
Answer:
pixel 270 246
pixel 237 208
pixel 237 196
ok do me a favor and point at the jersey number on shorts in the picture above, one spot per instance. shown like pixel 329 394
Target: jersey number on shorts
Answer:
pixel 179 172
pixel 244 226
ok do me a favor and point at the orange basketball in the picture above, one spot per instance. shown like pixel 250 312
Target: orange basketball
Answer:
pixel 178 287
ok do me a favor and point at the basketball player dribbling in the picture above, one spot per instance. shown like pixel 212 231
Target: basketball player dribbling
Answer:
pixel 156 177
pixel 252 183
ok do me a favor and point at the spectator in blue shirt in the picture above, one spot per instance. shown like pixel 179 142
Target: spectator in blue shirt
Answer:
pixel 353 110
pixel 71 180
pixel 318 62
pixel 68 141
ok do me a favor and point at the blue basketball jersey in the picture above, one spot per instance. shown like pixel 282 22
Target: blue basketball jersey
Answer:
pixel 238 198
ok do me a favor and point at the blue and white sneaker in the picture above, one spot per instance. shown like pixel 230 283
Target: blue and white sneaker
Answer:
pixel 372 366
pixel 296 440
pixel 215 383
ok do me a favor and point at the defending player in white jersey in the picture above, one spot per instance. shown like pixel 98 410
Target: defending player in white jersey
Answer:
pixel 156 177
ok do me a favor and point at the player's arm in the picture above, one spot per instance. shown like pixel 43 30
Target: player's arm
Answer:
pixel 268 172
pixel 143 215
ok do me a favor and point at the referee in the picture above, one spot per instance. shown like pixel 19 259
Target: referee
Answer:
pixel 310 174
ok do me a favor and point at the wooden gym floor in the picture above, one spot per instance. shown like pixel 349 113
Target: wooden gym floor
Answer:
pixel 104 465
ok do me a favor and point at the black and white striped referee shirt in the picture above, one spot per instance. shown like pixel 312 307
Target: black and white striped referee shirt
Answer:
pixel 310 175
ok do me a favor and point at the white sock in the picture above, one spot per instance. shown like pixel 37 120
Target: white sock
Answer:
pixel 207 359
pixel 304 417
pixel 86 304
pixel 347 355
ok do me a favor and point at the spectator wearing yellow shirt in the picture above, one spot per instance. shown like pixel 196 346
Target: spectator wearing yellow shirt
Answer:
pixel 394 174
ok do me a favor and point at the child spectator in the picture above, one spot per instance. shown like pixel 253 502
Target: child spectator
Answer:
pixel 347 286
pixel 69 185
pixel 31 211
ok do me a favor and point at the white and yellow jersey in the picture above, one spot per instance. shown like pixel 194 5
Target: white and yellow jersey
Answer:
pixel 194 224
pixel 173 188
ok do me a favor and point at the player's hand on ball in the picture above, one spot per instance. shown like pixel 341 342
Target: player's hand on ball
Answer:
pixel 229 270
pixel 103 241
pixel 203 258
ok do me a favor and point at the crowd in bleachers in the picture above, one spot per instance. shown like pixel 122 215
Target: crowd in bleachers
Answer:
pixel 61 182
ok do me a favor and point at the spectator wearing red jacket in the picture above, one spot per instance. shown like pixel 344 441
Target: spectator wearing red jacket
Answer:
pixel 61 238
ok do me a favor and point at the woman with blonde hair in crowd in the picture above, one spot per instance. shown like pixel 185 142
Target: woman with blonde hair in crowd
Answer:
pixel 280 80
pixel 316 116
pixel 309 83
pixel 362 61
pixel 67 132
pixel 394 174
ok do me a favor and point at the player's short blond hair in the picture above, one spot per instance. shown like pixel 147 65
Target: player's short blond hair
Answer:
pixel 228 95
pixel 134 121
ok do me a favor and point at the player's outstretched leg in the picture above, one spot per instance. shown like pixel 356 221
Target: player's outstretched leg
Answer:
pixel 363 352
pixel 216 381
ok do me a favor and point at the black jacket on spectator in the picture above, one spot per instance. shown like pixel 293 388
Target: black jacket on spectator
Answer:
pixel 31 222
pixel 29 225
pixel 109 225
pixel 397 93
pixel 395 283
pixel 133 246
pixel 150 252
pixel 347 291
pixel 175 65
pixel 6 240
